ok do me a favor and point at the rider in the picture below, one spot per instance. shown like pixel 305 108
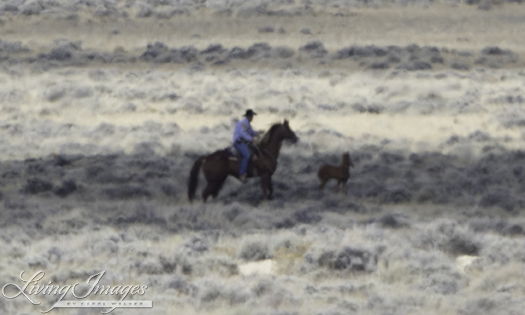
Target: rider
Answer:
pixel 243 136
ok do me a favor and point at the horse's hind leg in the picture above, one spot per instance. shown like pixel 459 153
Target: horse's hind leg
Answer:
pixel 218 187
pixel 215 193
pixel 211 189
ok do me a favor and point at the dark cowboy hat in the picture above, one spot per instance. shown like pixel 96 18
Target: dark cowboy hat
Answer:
pixel 249 113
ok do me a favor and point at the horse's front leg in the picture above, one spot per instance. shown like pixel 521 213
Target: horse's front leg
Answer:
pixel 270 187
pixel 266 183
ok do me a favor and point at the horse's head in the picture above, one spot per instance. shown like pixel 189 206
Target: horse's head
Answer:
pixel 278 133
pixel 287 133
pixel 346 159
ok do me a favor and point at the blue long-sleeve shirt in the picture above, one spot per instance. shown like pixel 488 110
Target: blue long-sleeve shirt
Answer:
pixel 243 130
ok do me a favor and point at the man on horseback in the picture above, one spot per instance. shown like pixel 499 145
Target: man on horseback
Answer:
pixel 218 165
pixel 242 140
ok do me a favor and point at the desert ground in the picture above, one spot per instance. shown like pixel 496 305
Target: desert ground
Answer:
pixel 106 105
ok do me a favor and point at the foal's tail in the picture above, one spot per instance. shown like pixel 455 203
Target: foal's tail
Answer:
pixel 194 178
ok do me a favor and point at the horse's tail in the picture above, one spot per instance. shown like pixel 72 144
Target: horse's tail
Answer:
pixel 194 178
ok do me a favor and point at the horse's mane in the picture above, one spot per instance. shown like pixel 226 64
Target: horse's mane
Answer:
pixel 267 136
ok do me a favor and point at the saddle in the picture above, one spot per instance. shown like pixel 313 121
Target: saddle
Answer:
pixel 235 155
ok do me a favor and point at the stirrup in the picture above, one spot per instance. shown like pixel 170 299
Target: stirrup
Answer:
pixel 242 178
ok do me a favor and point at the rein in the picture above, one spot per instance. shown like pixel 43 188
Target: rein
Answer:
pixel 264 161
pixel 265 142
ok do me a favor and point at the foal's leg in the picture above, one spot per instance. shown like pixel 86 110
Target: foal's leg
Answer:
pixel 337 186
pixel 323 182
pixel 345 189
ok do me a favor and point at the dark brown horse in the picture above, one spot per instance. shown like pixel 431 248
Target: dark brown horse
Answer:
pixel 219 165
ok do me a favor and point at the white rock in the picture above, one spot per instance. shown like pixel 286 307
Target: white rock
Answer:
pixel 464 261
pixel 266 266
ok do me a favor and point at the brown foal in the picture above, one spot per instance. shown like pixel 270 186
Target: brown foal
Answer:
pixel 340 173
